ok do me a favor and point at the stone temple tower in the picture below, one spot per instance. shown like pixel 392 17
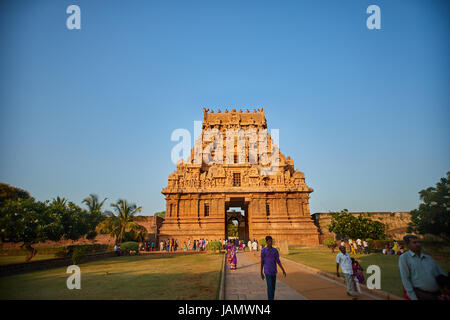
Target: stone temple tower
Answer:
pixel 236 164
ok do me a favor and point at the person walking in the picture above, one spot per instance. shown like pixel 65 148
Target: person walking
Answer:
pixel 332 246
pixel 352 247
pixel 255 247
pixel 269 260
pixel 233 257
pixel 366 247
pixel 359 244
pixel 249 244
pixel 345 262
pixel 418 272
pixel 395 248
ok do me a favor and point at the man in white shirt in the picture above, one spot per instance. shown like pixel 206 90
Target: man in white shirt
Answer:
pixel 343 259
pixel 249 244
pixel 255 247
pixel 366 247
pixel 359 244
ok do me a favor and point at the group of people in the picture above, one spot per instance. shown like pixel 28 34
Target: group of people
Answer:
pixel 171 245
pixel 394 248
pixel 354 247
pixel 421 276
pixel 240 244
pixel 352 270
pixel 198 245
pixel 147 246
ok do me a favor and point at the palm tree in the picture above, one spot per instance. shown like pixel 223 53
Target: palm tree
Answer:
pixel 60 201
pixel 123 221
pixel 93 204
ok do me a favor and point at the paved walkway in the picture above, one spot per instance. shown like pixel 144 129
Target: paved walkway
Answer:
pixel 245 283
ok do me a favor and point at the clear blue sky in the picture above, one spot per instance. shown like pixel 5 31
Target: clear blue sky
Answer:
pixel 364 113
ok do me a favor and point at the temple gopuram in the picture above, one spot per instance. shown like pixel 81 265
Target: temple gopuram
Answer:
pixel 235 163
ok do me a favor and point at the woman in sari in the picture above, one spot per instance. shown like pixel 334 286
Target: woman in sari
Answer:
pixel 229 253
pixel 233 262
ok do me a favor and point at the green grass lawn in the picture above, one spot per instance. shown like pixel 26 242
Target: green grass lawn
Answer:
pixel 20 259
pixel 323 259
pixel 130 277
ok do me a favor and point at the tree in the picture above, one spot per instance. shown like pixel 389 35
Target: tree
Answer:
pixel 433 215
pixel 95 209
pixel 30 222
pixel 345 224
pixel 233 230
pixel 122 223
pixel 8 192
pixel 161 214
pixel 93 204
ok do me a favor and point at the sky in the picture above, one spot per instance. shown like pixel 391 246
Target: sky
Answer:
pixel 363 113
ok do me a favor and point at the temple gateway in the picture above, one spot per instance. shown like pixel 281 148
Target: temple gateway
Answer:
pixel 236 171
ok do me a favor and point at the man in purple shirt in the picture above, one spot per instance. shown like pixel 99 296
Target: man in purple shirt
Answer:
pixel 269 260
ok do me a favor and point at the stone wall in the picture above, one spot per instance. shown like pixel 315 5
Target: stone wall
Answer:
pixel 396 222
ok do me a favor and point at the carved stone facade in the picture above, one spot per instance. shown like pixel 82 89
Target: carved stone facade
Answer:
pixel 226 171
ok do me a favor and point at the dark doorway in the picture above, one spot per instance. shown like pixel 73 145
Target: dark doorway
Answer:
pixel 236 219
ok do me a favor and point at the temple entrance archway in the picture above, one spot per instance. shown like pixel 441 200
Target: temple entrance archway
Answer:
pixel 237 212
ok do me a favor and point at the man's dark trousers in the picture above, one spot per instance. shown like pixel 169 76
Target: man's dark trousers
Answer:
pixel 271 281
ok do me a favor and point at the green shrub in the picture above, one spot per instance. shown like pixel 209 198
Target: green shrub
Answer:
pixel 77 252
pixel 213 245
pixel 129 246
pixel 328 242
